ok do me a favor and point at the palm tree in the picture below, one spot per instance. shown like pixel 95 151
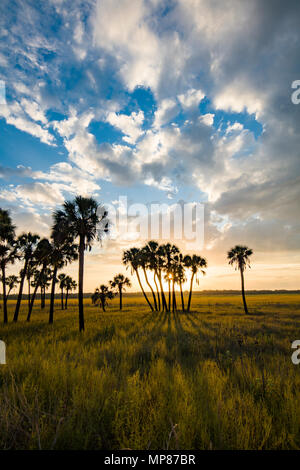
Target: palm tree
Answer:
pixel 144 264
pixel 131 258
pixel 70 285
pixel 7 252
pixel 62 284
pixel 169 251
pixel 120 282
pixel 26 244
pixel 81 219
pixel 42 255
pixel 179 275
pixel 156 264
pixel 196 264
pixel 44 284
pixel 11 281
pixel 102 295
pixel 30 273
pixel 240 255
pixel 63 251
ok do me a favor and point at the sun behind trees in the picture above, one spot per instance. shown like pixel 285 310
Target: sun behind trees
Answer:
pixel 161 269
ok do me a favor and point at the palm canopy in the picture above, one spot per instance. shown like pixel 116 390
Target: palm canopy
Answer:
pixel 131 258
pixel 195 263
pixel 120 281
pixel 26 243
pixel 240 256
pixel 7 229
pixel 80 218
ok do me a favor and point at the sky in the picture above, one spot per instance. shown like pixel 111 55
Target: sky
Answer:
pixel 160 102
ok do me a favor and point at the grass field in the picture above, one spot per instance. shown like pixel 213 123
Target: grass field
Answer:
pixel 210 379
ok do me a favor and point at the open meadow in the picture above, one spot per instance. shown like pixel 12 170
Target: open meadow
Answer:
pixel 213 378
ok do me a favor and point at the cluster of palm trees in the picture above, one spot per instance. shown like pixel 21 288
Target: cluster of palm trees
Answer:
pixel 104 293
pixel 168 264
pixel 75 227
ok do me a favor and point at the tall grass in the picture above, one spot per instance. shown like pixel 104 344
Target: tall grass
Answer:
pixel 211 379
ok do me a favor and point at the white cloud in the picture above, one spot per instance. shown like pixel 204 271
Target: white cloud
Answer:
pixel 130 125
pixel 191 98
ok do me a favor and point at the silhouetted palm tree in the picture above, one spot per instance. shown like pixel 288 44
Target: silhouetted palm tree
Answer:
pixel 144 264
pixel 131 258
pixel 62 284
pixel 63 251
pixel 179 274
pixel 7 252
pixel 25 244
pixel 156 264
pixel 102 295
pixel 169 251
pixel 196 264
pixel 31 272
pixel 44 284
pixel 240 255
pixel 42 255
pixel 70 285
pixel 11 281
pixel 81 219
pixel 120 282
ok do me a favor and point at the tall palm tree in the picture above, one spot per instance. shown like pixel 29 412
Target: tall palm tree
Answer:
pixel 42 255
pixel 120 282
pixel 70 285
pixel 179 275
pixel 82 219
pixel 240 256
pixel 144 264
pixel 31 272
pixel 131 258
pixel 169 251
pixel 195 263
pixel 63 251
pixel 62 284
pixel 44 284
pixel 102 295
pixel 26 244
pixel 156 264
pixel 7 252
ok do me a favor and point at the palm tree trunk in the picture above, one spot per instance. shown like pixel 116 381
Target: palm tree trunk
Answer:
pixel 157 290
pixel 80 283
pixel 66 299
pixel 181 294
pixel 151 288
pixel 29 299
pixel 17 309
pixel 34 292
pixel 52 296
pixel 43 297
pixel 5 318
pixel 169 283
pixel 163 297
pixel 190 294
pixel 174 298
pixel 120 295
pixel 243 292
pixel 142 289
pixel 62 298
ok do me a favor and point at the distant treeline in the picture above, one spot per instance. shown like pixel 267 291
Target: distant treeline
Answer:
pixel 202 292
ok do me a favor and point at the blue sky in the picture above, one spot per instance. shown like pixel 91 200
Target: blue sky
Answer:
pixel 160 101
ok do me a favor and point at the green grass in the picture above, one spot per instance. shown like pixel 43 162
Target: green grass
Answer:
pixel 211 379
